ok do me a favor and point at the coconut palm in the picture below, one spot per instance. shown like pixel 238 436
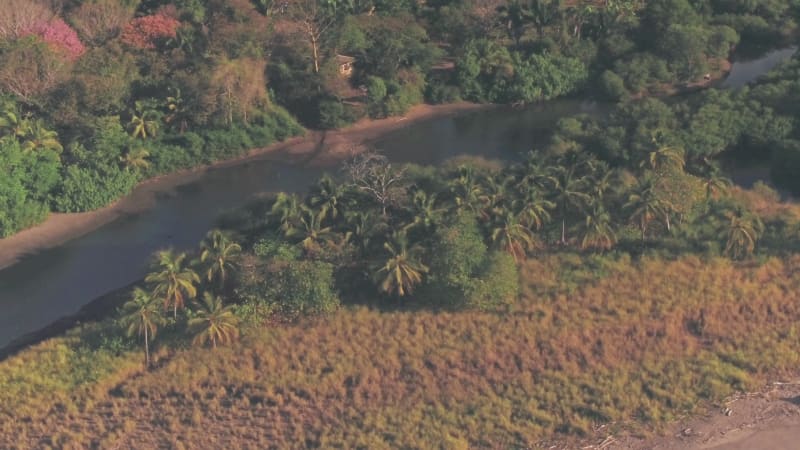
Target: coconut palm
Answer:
pixel 144 120
pixel 466 189
pixel 570 191
pixel 313 236
pixel 135 159
pixel 142 315
pixel 597 230
pixel 36 137
pixel 328 197
pixel 510 235
pixel 214 323
pixel 286 211
pixel 173 281
pixel 533 173
pixel 665 157
pixel 742 232
pixel 644 206
pixel 534 211
pixel 221 255
pixel 716 185
pixel 403 271
pixel 494 196
pixel 424 212
pixel 362 226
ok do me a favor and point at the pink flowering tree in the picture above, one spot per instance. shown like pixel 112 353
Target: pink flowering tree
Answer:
pixel 59 36
pixel 149 32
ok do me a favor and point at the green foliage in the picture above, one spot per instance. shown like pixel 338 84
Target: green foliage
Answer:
pixel 303 288
pixel 85 189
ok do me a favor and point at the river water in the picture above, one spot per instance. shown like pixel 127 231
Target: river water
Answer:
pixel 57 282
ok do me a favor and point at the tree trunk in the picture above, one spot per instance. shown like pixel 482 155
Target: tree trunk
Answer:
pixel 669 228
pixel 563 231
pixel 146 349
pixel 316 55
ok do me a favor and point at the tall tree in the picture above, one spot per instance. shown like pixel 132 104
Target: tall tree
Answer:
pixel 511 236
pixel 571 189
pixel 143 316
pixel 403 271
pixel 214 323
pixel 644 205
pixel 221 255
pixel 173 281
pixel 316 21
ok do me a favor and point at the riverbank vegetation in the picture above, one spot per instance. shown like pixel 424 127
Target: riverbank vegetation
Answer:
pixel 370 311
pixel 98 95
pixel 613 276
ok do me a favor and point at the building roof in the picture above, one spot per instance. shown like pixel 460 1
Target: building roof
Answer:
pixel 342 59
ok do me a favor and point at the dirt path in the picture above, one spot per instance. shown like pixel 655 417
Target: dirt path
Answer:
pixel 317 147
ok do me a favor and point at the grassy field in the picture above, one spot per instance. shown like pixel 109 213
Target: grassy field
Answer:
pixel 594 340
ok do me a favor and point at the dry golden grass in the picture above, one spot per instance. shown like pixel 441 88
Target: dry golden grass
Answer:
pixel 593 340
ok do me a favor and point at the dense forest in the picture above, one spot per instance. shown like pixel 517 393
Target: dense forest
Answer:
pixel 100 94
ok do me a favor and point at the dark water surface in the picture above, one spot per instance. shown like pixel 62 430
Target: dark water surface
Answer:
pixel 58 282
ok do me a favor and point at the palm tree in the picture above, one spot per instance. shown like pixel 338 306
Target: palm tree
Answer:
pixel 466 189
pixel 665 157
pixel 311 232
pixel 494 196
pixel 327 196
pixel 135 159
pixel 362 226
pixel 174 282
pixel 177 109
pixel 221 254
pixel 533 174
pixel 144 120
pixel 286 210
pixel 570 192
pixel 37 137
pixel 644 205
pixel 742 232
pixel 403 270
pixel 214 323
pixel 143 316
pixel 543 13
pixel 597 232
pixel 424 211
pixel 716 184
pixel 509 235
pixel 535 210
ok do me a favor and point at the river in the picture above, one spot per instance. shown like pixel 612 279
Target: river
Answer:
pixel 54 283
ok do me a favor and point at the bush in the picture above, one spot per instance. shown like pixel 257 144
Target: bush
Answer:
pixel 332 114
pixel 613 86
pixel 85 189
pixel 438 93
pixel 304 287
pixel 496 285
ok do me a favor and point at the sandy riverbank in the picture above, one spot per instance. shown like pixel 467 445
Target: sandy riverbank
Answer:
pixel 316 147
pixel 765 420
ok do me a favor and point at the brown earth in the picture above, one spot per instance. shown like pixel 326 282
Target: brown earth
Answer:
pixel 317 147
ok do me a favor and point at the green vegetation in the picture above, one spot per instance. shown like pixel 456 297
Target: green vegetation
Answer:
pixel 470 305
pixel 101 94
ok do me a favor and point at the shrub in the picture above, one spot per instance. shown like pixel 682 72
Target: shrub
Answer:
pixel 86 189
pixel 332 114
pixel 613 86
pixel 304 287
pixel 496 285
pixel 59 36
